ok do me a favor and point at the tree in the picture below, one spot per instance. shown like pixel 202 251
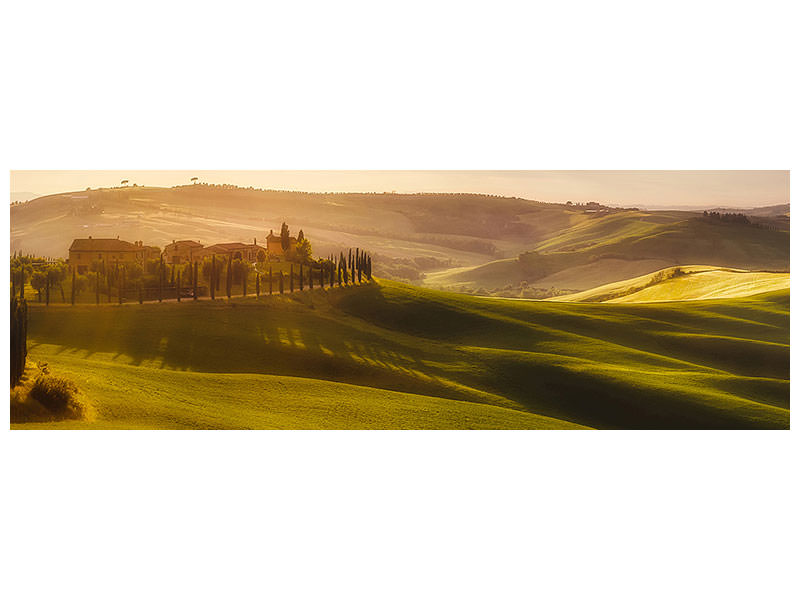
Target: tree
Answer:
pixel 81 282
pixel 108 284
pixel 39 282
pixel 193 180
pixel 303 250
pixel 124 182
pixel 134 272
pixel 19 339
pixel 160 277
pixel 213 275
pixel 300 236
pixel 229 278
pixel 245 275
pixel 285 237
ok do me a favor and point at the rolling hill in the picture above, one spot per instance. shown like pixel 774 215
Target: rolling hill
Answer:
pixel 479 244
pixel 692 282
pixel 604 249
pixel 437 229
pixel 393 355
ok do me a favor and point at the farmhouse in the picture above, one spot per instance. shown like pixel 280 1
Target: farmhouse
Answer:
pixel 83 252
pixel 182 251
pixel 274 247
pixel 237 250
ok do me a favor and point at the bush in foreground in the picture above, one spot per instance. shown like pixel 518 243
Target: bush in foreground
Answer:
pixel 47 398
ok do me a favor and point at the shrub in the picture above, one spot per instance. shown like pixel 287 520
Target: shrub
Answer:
pixel 58 395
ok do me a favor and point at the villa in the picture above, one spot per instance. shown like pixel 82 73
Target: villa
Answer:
pixel 83 252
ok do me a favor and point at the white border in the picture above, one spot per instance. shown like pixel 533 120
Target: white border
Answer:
pixel 574 85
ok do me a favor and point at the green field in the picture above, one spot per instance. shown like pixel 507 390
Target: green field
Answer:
pixel 389 355
pixel 693 282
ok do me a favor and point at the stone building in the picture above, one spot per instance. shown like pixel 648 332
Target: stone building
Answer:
pixel 84 252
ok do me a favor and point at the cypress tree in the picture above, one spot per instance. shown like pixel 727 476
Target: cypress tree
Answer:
pixel 352 272
pixel 229 276
pixel 47 289
pixel 19 337
pixel 172 276
pixel 97 287
pixel 285 238
pixel 213 275
pixel 141 299
pixel 244 282
pixel 73 287
pixel 22 283
pixel 311 276
pixel 258 284
pixel 160 278
pixel 121 285
pixel 178 287
pixel 291 278
pixel 194 281
pixel 301 277
pixel 280 281
pixel 270 281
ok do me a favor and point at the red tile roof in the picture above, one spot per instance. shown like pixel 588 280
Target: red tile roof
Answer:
pixel 102 245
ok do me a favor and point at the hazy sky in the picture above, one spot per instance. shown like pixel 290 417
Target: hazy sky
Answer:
pixel 654 189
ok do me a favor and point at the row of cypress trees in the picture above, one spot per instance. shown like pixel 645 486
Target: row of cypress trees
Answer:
pixel 341 270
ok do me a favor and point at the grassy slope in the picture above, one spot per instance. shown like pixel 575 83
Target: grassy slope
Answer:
pixel 587 254
pixel 699 283
pixel 143 397
pixel 456 361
